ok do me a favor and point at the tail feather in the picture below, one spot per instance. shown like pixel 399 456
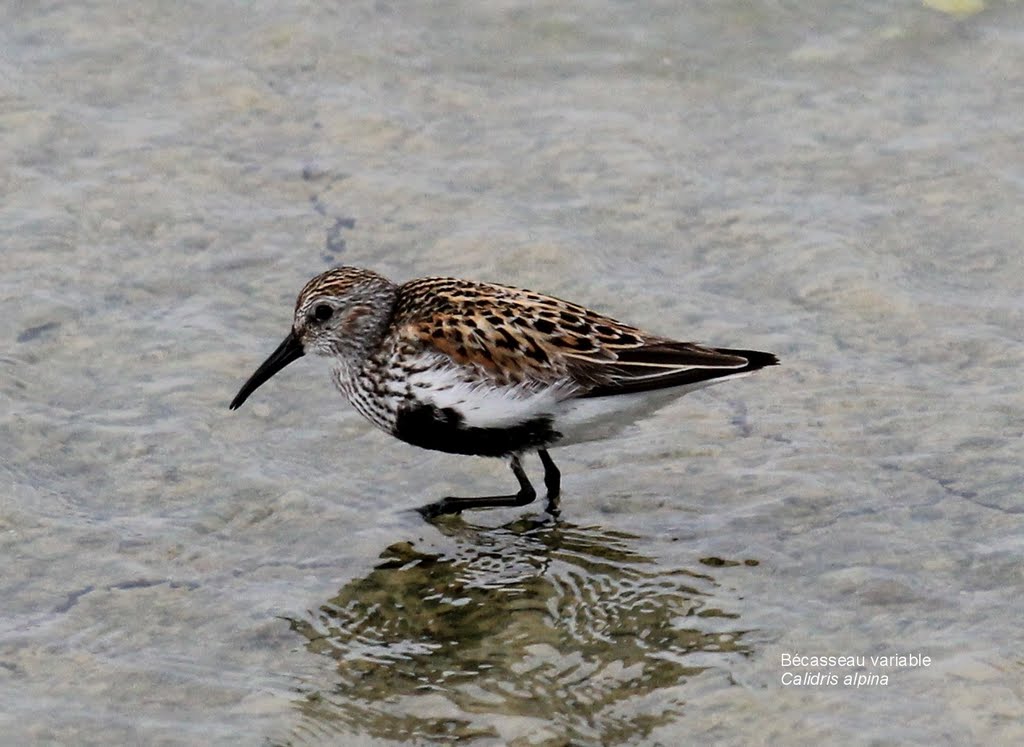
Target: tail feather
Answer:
pixel 755 358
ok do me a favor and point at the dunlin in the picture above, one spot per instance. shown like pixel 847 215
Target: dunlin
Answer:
pixel 489 370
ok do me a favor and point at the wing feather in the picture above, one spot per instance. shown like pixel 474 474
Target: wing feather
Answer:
pixel 518 338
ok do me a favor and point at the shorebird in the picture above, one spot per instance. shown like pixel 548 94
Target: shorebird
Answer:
pixel 489 370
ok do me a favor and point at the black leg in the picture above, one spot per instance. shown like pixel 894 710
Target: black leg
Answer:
pixel 552 477
pixel 453 505
pixel 552 481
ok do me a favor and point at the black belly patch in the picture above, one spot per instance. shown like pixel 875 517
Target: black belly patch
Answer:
pixel 439 429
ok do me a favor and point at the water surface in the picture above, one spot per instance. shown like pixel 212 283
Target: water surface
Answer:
pixel 839 183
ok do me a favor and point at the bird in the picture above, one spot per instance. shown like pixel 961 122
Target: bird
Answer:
pixel 490 370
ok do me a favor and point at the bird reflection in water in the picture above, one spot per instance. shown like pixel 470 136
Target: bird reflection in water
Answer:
pixel 529 632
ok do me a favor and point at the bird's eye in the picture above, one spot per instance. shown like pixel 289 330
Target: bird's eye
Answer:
pixel 322 312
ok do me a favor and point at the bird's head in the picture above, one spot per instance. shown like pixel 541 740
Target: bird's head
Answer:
pixel 340 313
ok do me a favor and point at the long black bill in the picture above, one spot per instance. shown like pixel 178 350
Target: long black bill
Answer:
pixel 288 351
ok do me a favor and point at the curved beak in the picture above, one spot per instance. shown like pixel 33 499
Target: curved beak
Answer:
pixel 288 351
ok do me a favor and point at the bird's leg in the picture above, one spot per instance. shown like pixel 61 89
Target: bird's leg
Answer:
pixel 552 481
pixel 453 505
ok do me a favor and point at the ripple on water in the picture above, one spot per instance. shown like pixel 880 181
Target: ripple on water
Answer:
pixel 529 631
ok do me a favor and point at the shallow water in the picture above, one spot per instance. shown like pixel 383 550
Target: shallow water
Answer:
pixel 837 183
pixel 527 631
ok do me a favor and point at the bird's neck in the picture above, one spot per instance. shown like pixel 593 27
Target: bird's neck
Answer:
pixel 364 338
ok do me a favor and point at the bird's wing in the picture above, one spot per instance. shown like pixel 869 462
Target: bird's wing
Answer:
pixel 525 339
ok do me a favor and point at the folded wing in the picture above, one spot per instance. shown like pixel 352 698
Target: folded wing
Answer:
pixel 530 341
pixel 666 363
